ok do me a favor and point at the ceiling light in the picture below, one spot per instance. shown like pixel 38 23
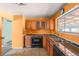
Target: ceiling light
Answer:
pixel 21 4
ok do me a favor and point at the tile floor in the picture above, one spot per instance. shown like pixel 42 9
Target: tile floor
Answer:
pixel 27 52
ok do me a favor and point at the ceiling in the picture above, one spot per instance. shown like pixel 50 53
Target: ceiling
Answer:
pixel 31 9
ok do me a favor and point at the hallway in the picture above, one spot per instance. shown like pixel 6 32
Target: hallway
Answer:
pixel 27 52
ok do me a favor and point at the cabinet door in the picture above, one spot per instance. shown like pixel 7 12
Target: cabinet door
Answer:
pixel 51 24
pixel 33 25
pixel 43 24
pixel 44 42
pixel 28 41
pixel 51 50
pixel 69 6
pixel 38 24
pixel 47 25
pixel 48 48
pixel 28 25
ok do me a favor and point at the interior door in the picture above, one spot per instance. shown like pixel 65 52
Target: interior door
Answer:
pixel 6 35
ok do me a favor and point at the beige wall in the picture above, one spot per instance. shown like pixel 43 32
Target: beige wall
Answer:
pixel 18 27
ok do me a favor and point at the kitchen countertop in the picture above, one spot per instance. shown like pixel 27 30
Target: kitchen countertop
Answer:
pixel 67 45
pixel 72 48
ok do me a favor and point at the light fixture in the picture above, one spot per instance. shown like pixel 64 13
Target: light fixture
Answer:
pixel 21 4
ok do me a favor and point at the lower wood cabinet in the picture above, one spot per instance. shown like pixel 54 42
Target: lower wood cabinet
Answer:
pixel 27 41
pixel 48 48
pixel 51 50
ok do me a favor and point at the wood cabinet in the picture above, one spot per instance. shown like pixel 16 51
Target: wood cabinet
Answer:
pixel 39 26
pixel 33 25
pixel 27 41
pixel 36 25
pixel 69 6
pixel 49 47
pixel 44 41
pixel 51 50
pixel 28 24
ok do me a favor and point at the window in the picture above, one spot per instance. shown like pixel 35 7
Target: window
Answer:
pixel 73 29
pixel 69 22
pixel 67 30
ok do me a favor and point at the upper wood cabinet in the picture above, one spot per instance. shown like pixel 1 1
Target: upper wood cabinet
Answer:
pixel 41 25
pixel 69 6
pixel 37 24
pixel 27 25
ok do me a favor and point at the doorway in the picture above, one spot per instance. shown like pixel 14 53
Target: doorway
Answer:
pixel 6 35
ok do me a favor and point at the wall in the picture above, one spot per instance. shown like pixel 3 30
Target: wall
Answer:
pixel 18 31
pixel 52 25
